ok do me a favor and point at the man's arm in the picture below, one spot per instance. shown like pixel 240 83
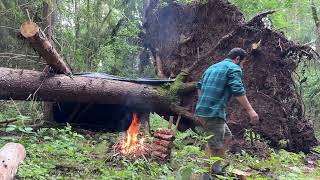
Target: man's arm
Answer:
pixel 243 100
pixel 237 89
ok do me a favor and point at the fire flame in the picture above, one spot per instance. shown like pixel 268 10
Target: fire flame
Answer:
pixel 131 143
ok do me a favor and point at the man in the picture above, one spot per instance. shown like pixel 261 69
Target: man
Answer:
pixel 218 83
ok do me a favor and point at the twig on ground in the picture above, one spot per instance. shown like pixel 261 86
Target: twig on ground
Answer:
pixel 8 121
pixel 16 106
pixel 178 122
pixel 258 169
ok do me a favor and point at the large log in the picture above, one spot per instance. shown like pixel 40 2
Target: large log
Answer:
pixel 10 156
pixel 39 42
pixel 20 84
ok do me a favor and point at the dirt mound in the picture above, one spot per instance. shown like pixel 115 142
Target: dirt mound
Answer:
pixel 201 34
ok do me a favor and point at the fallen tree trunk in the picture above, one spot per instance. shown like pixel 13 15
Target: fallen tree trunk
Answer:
pixel 10 156
pixel 20 84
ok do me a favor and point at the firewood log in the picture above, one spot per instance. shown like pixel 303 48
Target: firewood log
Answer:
pixel 161 149
pixel 167 137
pixel 167 144
pixel 10 156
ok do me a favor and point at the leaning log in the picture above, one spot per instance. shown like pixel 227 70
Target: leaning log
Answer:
pixel 31 32
pixel 10 156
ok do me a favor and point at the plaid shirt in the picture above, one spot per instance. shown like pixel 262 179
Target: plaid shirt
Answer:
pixel 218 83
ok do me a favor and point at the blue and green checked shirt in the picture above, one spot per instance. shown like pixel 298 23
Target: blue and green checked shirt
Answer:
pixel 218 83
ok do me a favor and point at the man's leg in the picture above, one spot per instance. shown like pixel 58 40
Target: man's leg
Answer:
pixel 227 140
pixel 216 144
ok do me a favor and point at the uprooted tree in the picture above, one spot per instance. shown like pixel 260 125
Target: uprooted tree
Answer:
pixel 184 40
pixel 197 35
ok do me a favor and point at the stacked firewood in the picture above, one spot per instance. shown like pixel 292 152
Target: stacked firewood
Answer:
pixel 162 144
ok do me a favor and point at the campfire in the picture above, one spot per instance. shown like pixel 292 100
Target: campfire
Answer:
pixel 132 144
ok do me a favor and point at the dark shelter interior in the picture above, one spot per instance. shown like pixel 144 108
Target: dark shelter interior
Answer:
pixel 107 117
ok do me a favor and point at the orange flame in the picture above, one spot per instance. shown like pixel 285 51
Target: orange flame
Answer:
pixel 131 143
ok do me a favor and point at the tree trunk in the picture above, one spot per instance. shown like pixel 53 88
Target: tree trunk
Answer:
pixel 20 84
pixel 317 24
pixel 26 85
pixel 48 23
pixel 77 24
pixel 47 17
pixel 39 42
pixel 10 156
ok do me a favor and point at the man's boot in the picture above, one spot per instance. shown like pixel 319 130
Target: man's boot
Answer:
pixel 216 166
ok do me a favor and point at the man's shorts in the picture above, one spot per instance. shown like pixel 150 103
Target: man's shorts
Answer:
pixel 219 129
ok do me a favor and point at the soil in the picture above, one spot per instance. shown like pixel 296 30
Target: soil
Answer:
pixel 182 34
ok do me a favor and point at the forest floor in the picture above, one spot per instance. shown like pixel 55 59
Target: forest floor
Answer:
pixel 65 153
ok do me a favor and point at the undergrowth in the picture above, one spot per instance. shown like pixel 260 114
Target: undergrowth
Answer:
pixel 54 153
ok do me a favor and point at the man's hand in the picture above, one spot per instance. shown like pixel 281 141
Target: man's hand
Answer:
pixel 254 117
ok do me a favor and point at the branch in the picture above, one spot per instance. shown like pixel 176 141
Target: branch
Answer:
pixel 179 110
pixel 315 14
pixel 259 17
pixel 8 121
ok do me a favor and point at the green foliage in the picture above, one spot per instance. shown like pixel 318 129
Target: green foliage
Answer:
pixel 64 154
pixel 91 35
pixel 317 149
pixel 294 18
pixel 280 165
pixel 171 90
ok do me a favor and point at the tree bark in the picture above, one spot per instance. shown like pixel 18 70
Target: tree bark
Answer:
pixel 317 24
pixel 47 17
pixel 32 85
pixel 77 24
pixel 20 84
pixel 48 23
pixel 39 42
pixel 10 156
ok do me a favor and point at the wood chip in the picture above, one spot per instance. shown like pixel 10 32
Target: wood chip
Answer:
pixel 242 175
